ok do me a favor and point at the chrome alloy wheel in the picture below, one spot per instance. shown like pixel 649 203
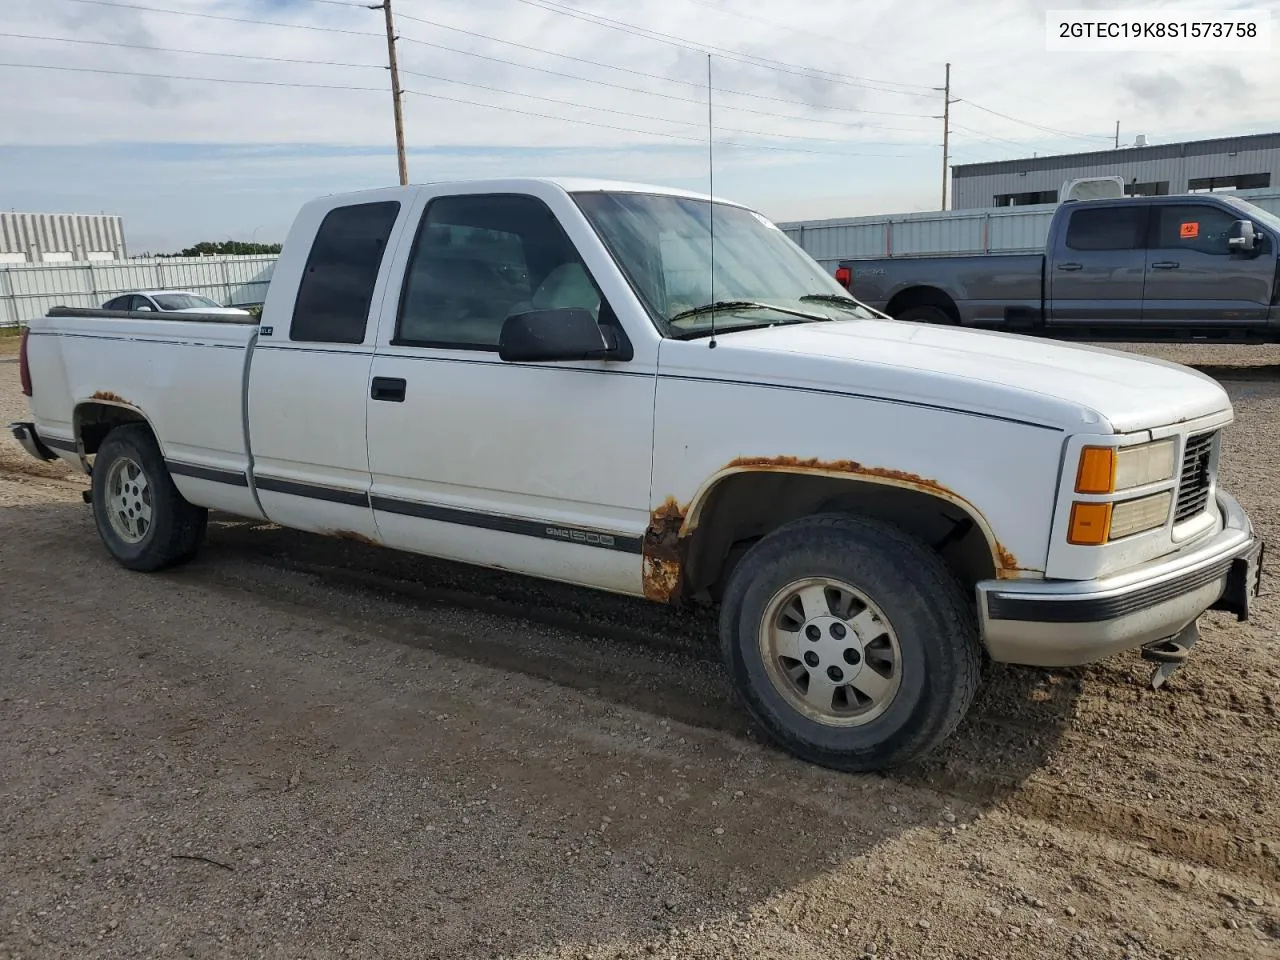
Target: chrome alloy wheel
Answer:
pixel 128 500
pixel 831 652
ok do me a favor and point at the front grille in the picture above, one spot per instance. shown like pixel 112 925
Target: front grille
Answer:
pixel 1193 483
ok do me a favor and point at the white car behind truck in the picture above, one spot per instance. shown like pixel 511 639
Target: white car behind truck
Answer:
pixel 567 379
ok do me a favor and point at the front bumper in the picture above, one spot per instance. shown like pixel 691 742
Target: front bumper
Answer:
pixel 1060 623
pixel 29 440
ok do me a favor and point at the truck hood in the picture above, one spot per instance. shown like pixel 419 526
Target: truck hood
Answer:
pixel 1069 385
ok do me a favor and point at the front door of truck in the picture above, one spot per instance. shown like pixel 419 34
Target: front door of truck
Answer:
pixel 541 468
pixel 1095 267
pixel 1194 278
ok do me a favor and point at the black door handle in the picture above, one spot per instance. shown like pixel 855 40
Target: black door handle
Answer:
pixel 1070 266
pixel 390 389
pixel 1164 265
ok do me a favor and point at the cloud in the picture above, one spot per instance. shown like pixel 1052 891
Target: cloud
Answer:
pixel 1193 89
pixel 510 87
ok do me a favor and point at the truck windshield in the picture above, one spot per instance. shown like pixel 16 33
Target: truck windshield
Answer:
pixel 663 245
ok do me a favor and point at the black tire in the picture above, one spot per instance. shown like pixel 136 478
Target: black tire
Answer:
pixel 940 654
pixel 926 313
pixel 177 527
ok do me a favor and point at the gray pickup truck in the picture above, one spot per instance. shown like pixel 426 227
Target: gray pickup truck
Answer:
pixel 1131 268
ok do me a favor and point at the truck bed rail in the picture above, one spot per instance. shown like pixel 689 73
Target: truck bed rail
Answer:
pixel 151 315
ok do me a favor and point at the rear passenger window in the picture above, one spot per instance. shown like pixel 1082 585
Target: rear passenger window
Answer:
pixel 1108 228
pixel 342 268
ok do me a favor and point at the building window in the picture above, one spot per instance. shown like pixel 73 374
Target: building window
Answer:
pixel 1155 188
pixel 1026 199
pixel 1243 181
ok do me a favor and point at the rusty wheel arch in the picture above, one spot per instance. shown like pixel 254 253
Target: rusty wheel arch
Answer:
pixel 676 558
pixel 115 411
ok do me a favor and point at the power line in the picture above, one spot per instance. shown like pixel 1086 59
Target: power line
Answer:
pixel 827 76
pixel 403 16
pixel 611 66
pixel 652 76
pixel 375 66
pixel 982 135
pixel 794 29
pixel 842 124
pixel 435 96
pixel 700 141
pixel 201 53
pixel 172 76
pixel 622 113
pixel 1037 126
pixel 215 16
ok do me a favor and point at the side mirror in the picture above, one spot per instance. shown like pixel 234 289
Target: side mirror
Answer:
pixel 1243 237
pixel 146 306
pixel 563 333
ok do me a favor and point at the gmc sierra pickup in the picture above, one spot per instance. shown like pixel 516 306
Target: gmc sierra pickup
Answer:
pixel 569 380
pixel 1130 269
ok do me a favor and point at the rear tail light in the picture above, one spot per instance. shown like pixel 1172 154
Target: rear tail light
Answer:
pixel 843 276
pixel 24 368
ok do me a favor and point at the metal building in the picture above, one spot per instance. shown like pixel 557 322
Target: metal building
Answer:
pixel 60 238
pixel 1195 166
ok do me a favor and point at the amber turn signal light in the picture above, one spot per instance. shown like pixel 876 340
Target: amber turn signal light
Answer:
pixel 1097 471
pixel 1090 524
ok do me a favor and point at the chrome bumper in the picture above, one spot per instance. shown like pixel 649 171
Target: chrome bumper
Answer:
pixel 29 440
pixel 1059 623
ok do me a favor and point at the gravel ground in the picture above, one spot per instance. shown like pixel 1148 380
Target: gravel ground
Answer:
pixel 298 747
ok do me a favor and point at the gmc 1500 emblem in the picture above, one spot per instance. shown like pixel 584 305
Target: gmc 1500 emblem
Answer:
pixel 580 536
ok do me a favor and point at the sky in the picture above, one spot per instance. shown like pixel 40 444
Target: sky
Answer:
pixel 819 108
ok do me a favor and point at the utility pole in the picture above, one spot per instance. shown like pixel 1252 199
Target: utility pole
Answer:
pixel 1117 134
pixel 385 7
pixel 946 133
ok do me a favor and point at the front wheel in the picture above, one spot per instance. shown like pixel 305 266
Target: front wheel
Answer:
pixel 850 642
pixel 144 522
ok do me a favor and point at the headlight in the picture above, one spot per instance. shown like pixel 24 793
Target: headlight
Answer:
pixel 1138 516
pixel 1093 524
pixel 1111 469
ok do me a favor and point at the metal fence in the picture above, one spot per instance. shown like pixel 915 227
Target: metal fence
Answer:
pixel 997 230
pixel 29 290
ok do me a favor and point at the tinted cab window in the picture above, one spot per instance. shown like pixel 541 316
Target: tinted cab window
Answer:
pixel 341 271
pixel 1107 228
pixel 1197 227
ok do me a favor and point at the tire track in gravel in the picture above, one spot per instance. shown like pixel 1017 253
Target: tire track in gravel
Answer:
pixel 669 676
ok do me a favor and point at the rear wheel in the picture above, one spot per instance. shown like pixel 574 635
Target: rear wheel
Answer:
pixel 926 313
pixel 850 642
pixel 142 519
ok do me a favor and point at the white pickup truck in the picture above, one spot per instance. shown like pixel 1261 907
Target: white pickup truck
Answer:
pixel 572 380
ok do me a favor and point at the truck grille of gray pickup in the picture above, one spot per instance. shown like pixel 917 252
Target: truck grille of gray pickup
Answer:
pixel 1193 484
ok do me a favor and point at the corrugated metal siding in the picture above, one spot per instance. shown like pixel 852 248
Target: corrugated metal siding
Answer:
pixel 37 234
pixel 29 290
pixel 1003 230
pixel 977 189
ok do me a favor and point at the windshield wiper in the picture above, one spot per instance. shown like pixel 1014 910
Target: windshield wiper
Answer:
pixel 832 298
pixel 721 305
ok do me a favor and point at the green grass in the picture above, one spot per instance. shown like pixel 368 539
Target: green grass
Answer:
pixel 10 332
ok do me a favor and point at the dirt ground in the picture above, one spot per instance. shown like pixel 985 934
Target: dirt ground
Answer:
pixel 302 748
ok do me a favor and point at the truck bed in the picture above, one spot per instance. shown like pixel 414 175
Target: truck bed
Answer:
pixel 989 290
pixel 188 372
